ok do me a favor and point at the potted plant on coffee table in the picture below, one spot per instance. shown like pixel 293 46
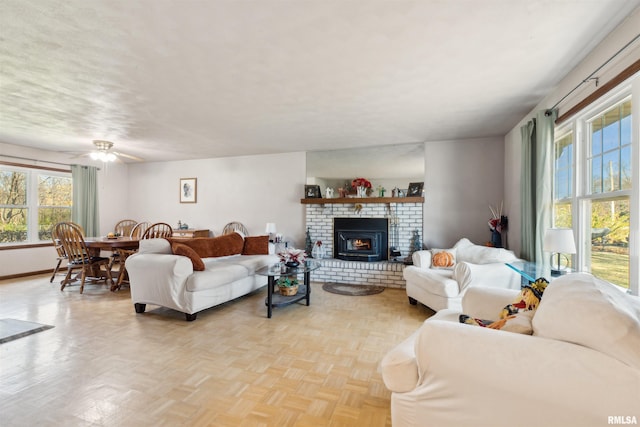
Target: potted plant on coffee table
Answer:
pixel 288 285
pixel 292 257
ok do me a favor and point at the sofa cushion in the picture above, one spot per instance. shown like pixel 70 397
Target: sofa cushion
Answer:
pixel 256 245
pixel 254 262
pixel 443 258
pixel 438 281
pixel 154 246
pixel 582 309
pixel 206 247
pixel 184 250
pixel 216 274
pixel 477 254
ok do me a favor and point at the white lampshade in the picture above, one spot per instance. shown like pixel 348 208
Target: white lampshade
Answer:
pixel 559 240
pixel 270 228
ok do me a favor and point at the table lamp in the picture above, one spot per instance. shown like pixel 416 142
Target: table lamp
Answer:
pixel 270 229
pixel 559 241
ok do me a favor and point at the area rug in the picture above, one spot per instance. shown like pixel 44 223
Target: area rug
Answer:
pixel 353 290
pixel 12 329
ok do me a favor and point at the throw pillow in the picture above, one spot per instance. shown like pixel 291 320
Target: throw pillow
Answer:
pixel 517 316
pixel 206 247
pixel 256 245
pixel 184 250
pixel 443 258
pixel 585 310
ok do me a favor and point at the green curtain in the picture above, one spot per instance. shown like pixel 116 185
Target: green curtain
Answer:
pixel 545 125
pixel 536 184
pixel 85 198
pixel 528 192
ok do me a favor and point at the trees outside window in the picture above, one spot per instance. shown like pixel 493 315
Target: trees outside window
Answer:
pixel 31 202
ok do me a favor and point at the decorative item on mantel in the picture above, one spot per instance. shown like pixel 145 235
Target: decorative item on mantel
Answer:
pixel 362 186
pixel 381 191
pixel 497 225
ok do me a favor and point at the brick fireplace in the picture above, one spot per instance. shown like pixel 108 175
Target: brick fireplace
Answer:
pixel 402 218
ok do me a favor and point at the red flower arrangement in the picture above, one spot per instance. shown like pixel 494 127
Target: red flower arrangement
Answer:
pixel 361 182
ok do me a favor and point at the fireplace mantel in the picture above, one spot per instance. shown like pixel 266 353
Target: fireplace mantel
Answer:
pixel 361 200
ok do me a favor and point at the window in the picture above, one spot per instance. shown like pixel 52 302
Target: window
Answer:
pixel 607 204
pixel 592 188
pixel 563 182
pixel 31 202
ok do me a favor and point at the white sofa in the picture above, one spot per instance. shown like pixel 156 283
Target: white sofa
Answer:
pixel 474 265
pixel 159 277
pixel 580 367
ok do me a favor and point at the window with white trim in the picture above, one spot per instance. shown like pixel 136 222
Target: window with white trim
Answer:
pixel 592 187
pixel 31 202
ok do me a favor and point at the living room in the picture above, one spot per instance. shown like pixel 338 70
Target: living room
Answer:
pixel 463 177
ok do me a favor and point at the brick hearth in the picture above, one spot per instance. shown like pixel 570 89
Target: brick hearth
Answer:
pixel 319 220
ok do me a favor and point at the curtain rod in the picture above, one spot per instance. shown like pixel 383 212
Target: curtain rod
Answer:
pixel 36 160
pixel 590 76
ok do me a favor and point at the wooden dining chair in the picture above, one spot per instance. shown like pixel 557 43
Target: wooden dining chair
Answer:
pixel 138 230
pixel 62 255
pixel 159 230
pixel 78 256
pixel 122 228
pixel 232 227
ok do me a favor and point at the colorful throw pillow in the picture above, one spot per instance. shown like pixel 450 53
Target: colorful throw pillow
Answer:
pixel 184 250
pixel 515 317
pixel 443 258
pixel 256 245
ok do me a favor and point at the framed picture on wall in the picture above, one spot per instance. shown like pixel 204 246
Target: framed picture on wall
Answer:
pixel 415 189
pixel 312 192
pixel 188 190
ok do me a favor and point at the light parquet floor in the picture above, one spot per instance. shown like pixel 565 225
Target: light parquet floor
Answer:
pixel 104 365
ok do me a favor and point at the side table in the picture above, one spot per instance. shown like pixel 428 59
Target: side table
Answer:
pixel 530 271
pixel 304 290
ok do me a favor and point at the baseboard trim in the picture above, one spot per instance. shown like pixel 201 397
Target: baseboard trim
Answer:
pixel 30 273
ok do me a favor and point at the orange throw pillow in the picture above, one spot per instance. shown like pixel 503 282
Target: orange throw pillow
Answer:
pixel 184 250
pixel 256 245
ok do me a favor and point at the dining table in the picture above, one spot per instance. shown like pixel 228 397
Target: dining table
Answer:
pixel 113 244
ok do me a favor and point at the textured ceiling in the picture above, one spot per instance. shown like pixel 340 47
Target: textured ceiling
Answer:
pixel 184 79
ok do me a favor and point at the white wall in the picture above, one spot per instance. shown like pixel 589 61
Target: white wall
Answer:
pixel 512 141
pixel 253 190
pixel 462 179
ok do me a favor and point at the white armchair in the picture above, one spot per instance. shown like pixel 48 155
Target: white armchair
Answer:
pixel 581 366
pixel 466 265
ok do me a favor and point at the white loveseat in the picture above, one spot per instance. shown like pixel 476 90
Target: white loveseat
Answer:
pixel 580 367
pixel 159 277
pixel 473 265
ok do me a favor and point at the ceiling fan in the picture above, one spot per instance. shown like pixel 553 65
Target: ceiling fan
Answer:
pixel 103 152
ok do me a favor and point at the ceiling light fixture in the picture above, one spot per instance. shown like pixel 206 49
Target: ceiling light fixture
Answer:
pixel 103 151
